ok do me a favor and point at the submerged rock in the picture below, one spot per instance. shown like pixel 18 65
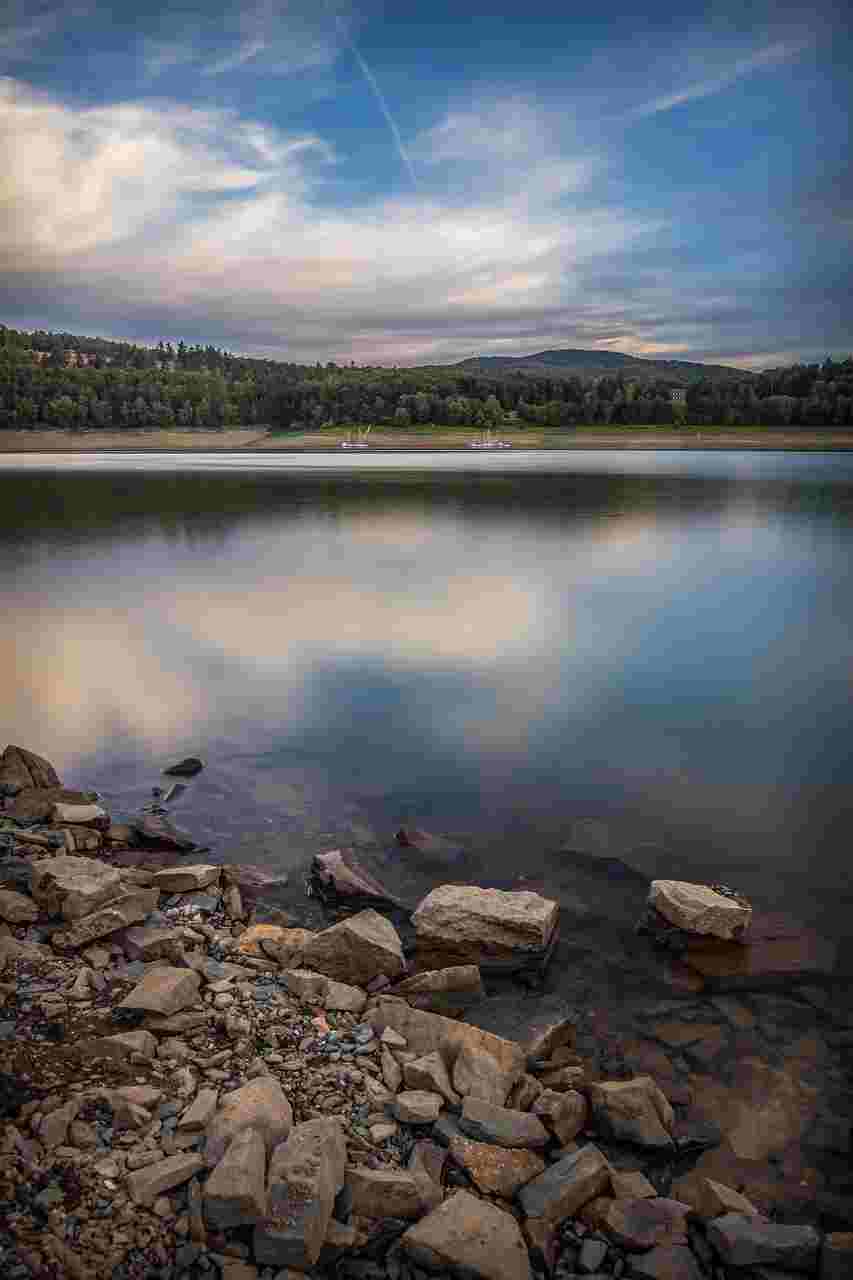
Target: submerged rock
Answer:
pixel 154 828
pixel 338 875
pixel 186 768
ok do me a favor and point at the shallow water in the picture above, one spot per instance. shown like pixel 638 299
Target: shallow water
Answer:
pixel 640 654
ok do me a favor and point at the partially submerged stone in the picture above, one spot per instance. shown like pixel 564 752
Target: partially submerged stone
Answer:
pixel 539 1024
pixel 153 828
pixel 471 1235
pixel 339 875
pixel 697 908
pixel 485 926
pixel 72 887
pixel 186 768
pixel 356 949
pixel 187 879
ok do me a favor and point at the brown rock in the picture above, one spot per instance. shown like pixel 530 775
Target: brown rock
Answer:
pixel 339 874
pixel 471 1235
pixel 261 1104
pixel 200 1112
pixel 647 1223
pixel 163 991
pixel 429 1072
pixel 697 908
pixel 524 1093
pixel 630 1184
pixel 712 1199
pixel 16 908
pixel 449 991
pixel 539 1024
pixel 122 911
pixel 20 769
pixel 118 1048
pixel 186 879
pixel 151 943
pixel 485 924
pixel 343 998
pixel 79 815
pixel 73 887
pixel 496 1170
pixel 477 1074
pixel 356 949
pixel 632 1111
pixel 836 1257
pixel 567 1185
pixel 566 1114
pixel 677 1263
pixel 501 1127
pixel 417 1106
pixel 235 1192
pixel 384 1193
pixel 425 1032
pixel 306 1173
pixel 146 1184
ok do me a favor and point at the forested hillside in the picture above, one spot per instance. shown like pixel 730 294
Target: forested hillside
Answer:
pixel 66 381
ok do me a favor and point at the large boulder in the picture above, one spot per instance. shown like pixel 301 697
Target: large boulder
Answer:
pixel 124 910
pixel 21 769
pixel 261 1104
pixel 492 928
pixel 235 1193
pixel 472 1236
pixel 357 950
pixel 306 1173
pixel 632 1111
pixel 71 887
pixel 697 908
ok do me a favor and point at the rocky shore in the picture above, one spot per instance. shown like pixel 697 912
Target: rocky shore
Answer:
pixel 192 1086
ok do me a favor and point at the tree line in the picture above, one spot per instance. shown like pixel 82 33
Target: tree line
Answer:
pixel 62 380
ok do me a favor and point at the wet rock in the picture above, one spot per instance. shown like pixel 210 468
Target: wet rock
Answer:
pixel 449 991
pixel 306 1173
pixel 432 848
pixel 186 768
pixel 501 1127
pixel 154 828
pixel 235 1192
pixel 633 1111
pixel 496 1170
pixel 356 949
pixel 631 1184
pixel 773 950
pixel 426 1032
pixel 261 1104
pixel 72 887
pixel 645 1223
pixel 477 1074
pixel 16 908
pixel 21 769
pixel 416 1106
pixel 836 1256
pixel 539 1024
pixel 469 1234
pixel 677 1263
pixel 565 1114
pixel 386 1193
pixel 256 884
pixel 485 926
pixel 697 908
pixel 761 1110
pixel 429 1072
pixel 567 1185
pixel 124 910
pixel 339 875
pixel 712 1199
pixel 186 879
pixel 752 1242
pixel 146 1184
pixel 275 942
pixel 163 991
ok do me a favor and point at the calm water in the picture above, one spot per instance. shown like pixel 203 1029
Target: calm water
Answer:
pixel 642 654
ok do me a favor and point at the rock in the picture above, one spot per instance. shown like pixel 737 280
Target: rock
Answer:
pixel 307 986
pixel 632 1111
pixel 502 1127
pixel 630 1184
pixel 392 1072
pixel 712 1199
pixel 151 943
pixel 428 1072
pixel 491 927
pixel 186 768
pixel 200 1112
pixel 539 1024
pixel 233 902
pixel 178 1024
pixel 139 1095
pixel 274 942
pixel 773 949
pixel 80 815
pixel 479 1239
pixel 430 847
pixel 544 1242
pixel 235 1192
pixel 697 908
pixel 153 828
pixel 356 949
pixel 163 991
pixel 306 1173
pixel 53 1130
pixel 836 1256
pixel 564 1079
pixel 261 1104
pixel 425 1032
pixel 567 1185
pixel 118 1048
pixel 72 887
pixel 648 1222
pixel 416 1106
pixel 344 999
pixel 186 879
pixel 385 1193
pixel 339 875
pixel 524 1093
pixel 742 1241
pixel 426 1165
pixel 761 1111
pixel 16 908
pixel 122 911
pixel 496 1170
pixel 20 769
pixel 449 991
pixel 256 884
pixel 477 1074
pixel 146 1184
pixel 592 1255
pixel 566 1114
pixel 677 1263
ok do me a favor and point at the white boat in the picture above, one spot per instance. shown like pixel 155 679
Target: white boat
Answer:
pixel 487 441
pixel 356 441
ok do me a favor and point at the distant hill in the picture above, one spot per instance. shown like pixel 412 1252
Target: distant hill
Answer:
pixel 579 362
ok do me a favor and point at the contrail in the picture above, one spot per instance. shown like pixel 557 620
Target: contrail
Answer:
pixel 389 119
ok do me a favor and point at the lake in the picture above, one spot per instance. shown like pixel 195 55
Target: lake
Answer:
pixel 642 655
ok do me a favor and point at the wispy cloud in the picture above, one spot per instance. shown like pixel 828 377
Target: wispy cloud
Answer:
pixel 771 56
pixel 386 112
pixel 24 27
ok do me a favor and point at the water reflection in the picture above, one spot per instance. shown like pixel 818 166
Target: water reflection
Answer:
pixel 489 654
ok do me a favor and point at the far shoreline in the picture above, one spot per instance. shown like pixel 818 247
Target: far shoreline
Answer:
pixel 256 440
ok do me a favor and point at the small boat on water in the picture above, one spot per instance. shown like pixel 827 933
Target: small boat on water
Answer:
pixel 357 440
pixel 488 441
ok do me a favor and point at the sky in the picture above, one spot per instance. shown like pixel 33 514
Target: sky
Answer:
pixel 414 183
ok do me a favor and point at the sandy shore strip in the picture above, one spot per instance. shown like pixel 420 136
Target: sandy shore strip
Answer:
pixel 258 439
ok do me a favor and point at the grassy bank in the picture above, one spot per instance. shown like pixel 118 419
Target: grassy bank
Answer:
pixel 430 437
